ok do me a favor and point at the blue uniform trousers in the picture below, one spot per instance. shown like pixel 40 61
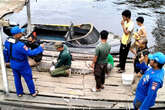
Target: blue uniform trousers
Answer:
pixel 27 75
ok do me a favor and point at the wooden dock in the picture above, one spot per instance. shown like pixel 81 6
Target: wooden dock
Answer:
pixel 68 92
pixel 75 91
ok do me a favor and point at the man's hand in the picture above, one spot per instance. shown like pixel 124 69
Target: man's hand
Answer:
pixel 141 59
pixel 25 47
pixel 93 66
pixel 122 22
pixel 134 57
pixel 54 62
pixel 139 74
pixel 94 62
pixel 136 36
pixel 42 45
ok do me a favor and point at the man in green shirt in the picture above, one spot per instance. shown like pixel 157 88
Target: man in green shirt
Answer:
pixel 63 64
pixel 100 61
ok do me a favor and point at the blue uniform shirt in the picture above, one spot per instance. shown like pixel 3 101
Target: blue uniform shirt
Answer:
pixel 20 54
pixel 148 86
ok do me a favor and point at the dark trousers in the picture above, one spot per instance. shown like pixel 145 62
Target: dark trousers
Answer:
pixel 99 72
pixel 124 49
pixel 136 104
pixel 136 70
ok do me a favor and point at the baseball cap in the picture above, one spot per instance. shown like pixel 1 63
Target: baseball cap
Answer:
pixel 16 30
pixel 33 35
pixel 158 56
pixel 58 44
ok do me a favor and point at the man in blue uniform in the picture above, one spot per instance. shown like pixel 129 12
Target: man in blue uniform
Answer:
pixel 150 82
pixel 17 54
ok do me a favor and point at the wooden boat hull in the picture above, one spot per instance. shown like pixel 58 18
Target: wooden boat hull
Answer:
pixel 84 35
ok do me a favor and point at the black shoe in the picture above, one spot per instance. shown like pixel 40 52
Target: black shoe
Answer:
pixel 121 71
pixel 118 66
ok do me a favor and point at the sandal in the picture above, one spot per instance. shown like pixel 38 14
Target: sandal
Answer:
pixel 95 90
pixel 35 94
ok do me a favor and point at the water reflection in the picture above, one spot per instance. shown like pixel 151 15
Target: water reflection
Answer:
pixel 147 3
pixel 104 14
pixel 159 33
pixel 158 10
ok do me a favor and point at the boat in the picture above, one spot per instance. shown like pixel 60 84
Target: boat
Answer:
pixel 78 36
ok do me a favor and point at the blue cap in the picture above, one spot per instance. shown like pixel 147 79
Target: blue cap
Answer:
pixel 158 56
pixel 16 30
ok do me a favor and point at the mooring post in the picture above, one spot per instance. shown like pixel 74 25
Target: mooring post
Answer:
pixel 29 28
pixel 3 67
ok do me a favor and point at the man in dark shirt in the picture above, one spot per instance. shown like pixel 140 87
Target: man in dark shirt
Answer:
pixel 63 64
pixel 142 49
pixel 100 61
pixel 33 43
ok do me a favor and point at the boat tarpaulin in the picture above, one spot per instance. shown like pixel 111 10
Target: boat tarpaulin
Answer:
pixel 10 6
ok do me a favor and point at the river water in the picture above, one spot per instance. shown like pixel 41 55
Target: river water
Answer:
pixel 104 14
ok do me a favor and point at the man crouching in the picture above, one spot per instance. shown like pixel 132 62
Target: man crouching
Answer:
pixel 63 64
pixel 100 61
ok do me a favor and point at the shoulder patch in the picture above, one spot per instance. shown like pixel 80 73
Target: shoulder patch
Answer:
pixel 154 85
pixel 11 40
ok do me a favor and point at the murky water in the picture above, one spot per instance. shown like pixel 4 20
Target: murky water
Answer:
pixel 104 14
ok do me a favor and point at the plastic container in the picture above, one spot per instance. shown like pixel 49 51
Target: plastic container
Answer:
pixel 127 78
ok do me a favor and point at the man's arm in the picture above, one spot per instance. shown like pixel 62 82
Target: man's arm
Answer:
pixel 128 30
pixel 142 65
pixel 6 52
pixel 151 95
pixel 61 61
pixel 146 59
pixel 25 50
pixel 94 61
pixel 95 57
pixel 133 50
pixel 143 33
pixel 125 30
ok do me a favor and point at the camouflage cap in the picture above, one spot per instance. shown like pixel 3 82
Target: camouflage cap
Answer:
pixel 58 44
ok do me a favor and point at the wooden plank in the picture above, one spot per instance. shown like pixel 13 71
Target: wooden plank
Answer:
pixel 76 56
pixel 60 101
